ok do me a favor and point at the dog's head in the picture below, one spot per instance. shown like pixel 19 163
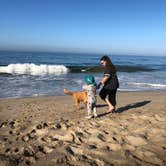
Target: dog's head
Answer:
pixel 64 90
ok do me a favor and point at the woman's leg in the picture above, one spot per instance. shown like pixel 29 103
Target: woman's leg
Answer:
pixel 105 96
pixel 110 106
pixel 112 99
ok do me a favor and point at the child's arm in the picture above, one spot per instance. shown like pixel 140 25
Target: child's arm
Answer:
pixel 85 87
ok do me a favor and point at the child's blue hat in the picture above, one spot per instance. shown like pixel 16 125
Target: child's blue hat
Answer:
pixel 89 79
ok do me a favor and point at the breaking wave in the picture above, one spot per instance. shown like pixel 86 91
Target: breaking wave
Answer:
pixel 32 69
pixel 44 69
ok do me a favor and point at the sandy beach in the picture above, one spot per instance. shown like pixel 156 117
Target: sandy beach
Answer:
pixel 48 131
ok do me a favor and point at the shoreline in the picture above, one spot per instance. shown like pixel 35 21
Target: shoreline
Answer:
pixel 38 96
pixel 46 130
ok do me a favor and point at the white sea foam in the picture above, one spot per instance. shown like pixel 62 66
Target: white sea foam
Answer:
pixel 127 90
pixel 32 69
pixel 147 84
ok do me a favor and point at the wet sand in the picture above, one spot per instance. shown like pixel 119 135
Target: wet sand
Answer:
pixel 48 131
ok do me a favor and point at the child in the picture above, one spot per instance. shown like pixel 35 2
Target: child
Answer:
pixel 90 87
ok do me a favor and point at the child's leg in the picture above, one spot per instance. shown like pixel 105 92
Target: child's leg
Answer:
pixel 89 109
pixel 94 110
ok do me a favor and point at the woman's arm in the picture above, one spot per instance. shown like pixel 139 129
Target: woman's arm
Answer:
pixel 104 80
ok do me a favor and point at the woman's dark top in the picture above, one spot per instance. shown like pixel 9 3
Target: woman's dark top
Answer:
pixel 112 82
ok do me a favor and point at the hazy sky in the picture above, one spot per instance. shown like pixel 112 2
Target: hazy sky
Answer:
pixel 116 26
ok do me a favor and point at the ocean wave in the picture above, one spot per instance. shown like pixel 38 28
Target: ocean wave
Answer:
pixel 127 68
pixel 147 84
pixel 32 69
pixel 98 69
pixel 44 69
pixel 85 69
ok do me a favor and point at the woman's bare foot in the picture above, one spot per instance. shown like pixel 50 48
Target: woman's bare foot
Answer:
pixel 111 109
pixel 110 106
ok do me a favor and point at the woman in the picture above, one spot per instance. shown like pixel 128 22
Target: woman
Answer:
pixel 110 83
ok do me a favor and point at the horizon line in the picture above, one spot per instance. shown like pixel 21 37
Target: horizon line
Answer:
pixel 80 52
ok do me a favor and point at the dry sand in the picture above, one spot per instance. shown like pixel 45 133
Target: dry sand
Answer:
pixel 47 131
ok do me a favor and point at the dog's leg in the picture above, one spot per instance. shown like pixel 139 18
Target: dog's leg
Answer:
pixel 76 105
pixel 85 103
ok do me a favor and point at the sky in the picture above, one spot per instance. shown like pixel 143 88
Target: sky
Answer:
pixel 97 26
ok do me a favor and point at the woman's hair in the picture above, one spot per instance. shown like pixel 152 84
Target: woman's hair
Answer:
pixel 108 62
pixel 107 59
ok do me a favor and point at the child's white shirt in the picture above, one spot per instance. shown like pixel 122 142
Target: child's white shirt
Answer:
pixel 91 92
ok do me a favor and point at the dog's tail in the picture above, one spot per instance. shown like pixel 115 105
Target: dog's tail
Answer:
pixel 66 91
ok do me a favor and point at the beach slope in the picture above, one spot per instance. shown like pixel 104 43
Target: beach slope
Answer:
pixel 48 131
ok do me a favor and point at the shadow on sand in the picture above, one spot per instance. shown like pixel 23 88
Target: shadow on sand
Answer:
pixel 125 108
pixel 101 105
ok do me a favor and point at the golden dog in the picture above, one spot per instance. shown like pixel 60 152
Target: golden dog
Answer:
pixel 78 96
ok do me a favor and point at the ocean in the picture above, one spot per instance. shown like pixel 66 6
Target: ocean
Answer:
pixel 25 74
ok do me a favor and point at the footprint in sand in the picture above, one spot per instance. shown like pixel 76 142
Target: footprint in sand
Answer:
pixel 101 137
